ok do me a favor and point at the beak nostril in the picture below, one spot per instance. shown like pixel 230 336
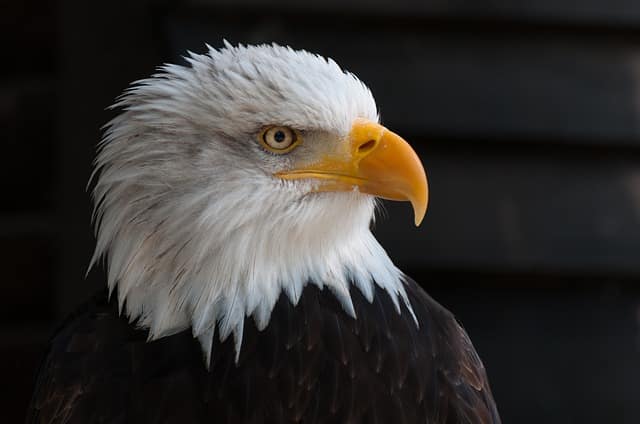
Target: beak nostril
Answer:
pixel 366 147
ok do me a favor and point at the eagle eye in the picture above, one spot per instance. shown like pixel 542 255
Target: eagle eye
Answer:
pixel 279 139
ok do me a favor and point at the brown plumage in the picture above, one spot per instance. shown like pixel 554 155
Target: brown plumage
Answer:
pixel 312 364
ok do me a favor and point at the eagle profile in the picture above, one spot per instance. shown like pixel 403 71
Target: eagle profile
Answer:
pixel 233 201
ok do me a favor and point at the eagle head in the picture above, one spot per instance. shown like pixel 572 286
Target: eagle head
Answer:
pixel 249 172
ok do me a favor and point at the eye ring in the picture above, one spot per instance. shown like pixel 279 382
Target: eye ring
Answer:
pixel 279 139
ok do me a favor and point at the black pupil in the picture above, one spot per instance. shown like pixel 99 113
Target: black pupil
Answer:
pixel 279 136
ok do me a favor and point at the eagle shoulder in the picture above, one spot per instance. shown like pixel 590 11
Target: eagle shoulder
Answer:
pixel 100 368
pixel 460 384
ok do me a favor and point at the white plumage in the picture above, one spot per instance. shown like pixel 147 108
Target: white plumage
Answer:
pixel 195 229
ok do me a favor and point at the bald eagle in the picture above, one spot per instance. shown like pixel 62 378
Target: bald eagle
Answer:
pixel 233 202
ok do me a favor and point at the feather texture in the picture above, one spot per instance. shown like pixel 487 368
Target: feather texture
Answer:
pixel 313 363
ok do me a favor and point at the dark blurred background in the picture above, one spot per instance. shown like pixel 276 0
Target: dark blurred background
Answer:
pixel 526 114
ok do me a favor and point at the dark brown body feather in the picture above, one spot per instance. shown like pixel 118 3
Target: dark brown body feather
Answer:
pixel 312 364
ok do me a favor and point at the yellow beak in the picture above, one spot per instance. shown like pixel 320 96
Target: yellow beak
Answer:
pixel 377 162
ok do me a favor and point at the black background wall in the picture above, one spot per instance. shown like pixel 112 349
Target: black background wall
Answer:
pixel 527 117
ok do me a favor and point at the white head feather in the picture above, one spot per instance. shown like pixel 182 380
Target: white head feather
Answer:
pixel 195 229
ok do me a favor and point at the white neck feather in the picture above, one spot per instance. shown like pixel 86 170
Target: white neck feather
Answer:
pixel 219 257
